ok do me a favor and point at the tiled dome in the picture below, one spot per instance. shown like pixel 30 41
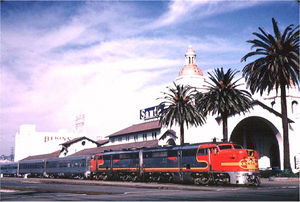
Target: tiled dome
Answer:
pixel 190 70
pixel 190 67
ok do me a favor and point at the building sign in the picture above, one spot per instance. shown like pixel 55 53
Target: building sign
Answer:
pixel 51 138
pixel 151 112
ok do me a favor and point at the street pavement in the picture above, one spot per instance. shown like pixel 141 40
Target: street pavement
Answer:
pixel 37 189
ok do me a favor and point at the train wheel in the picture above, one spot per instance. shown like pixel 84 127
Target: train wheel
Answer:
pixel 205 179
pixel 130 178
pixel 256 181
pixel 170 179
pixel 197 181
pixel 253 180
pixel 221 179
pixel 104 177
pixel 135 179
pixel 202 180
pixel 125 178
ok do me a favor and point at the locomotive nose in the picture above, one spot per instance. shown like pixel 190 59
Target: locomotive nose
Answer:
pixel 251 162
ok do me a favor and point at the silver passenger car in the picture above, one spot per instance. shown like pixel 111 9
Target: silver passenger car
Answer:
pixel 72 166
pixel 9 169
pixel 32 167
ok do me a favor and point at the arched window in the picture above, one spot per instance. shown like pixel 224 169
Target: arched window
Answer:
pixel 171 142
pixel 293 107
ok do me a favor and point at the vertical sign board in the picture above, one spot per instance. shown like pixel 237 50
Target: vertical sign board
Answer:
pixel 151 112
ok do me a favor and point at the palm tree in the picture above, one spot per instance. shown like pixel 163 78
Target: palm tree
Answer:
pixel 223 97
pixel 179 108
pixel 277 66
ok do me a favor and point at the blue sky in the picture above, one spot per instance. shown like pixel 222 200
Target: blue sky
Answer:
pixel 109 59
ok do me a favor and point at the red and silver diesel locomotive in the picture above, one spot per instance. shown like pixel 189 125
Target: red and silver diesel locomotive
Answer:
pixel 219 163
pixel 197 163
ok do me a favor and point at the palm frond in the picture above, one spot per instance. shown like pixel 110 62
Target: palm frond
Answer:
pixel 179 107
pixel 278 62
pixel 276 30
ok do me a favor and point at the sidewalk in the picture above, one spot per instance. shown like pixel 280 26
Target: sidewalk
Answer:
pixel 286 179
pixel 110 183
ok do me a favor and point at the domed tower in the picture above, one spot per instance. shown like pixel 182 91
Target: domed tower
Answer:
pixel 190 74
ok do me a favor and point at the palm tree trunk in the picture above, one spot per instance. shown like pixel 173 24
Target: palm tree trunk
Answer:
pixel 225 128
pixel 286 143
pixel 181 134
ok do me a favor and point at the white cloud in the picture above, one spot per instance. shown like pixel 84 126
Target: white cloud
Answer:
pixel 185 10
pixel 177 11
pixel 120 81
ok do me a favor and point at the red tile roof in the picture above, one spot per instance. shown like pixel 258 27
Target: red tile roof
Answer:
pixel 151 125
pixel 44 156
pixel 68 143
pixel 92 151
pixel 137 145
pixel 102 142
pixel 168 132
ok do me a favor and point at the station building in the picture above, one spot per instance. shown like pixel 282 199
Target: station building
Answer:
pixel 29 141
pixel 259 129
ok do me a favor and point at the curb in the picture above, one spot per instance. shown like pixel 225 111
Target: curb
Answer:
pixel 284 179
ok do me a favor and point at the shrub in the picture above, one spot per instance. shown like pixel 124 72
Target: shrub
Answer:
pixel 287 173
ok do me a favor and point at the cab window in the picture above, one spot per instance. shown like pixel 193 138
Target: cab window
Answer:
pixel 237 147
pixel 222 147
pixel 99 157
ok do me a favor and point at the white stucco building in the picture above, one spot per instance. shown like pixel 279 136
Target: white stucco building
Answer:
pixel 260 129
pixel 29 141
pixel 143 132
pixel 75 145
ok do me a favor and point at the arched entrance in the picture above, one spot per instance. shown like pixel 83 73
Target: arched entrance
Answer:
pixel 259 134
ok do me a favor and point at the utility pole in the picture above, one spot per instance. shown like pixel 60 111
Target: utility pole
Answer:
pixel 12 154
